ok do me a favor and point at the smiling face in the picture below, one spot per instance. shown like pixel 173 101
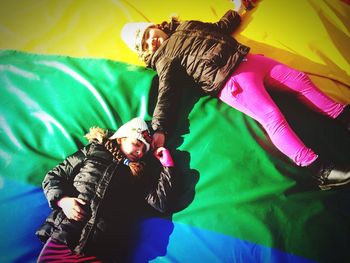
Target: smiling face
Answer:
pixel 133 148
pixel 153 38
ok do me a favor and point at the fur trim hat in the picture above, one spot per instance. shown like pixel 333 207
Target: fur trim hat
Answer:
pixel 137 129
pixel 132 34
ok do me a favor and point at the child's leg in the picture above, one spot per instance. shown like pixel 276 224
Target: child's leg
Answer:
pixel 283 77
pixel 55 251
pixel 245 92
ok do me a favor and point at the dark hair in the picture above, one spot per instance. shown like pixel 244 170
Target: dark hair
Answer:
pixel 114 148
pixel 168 28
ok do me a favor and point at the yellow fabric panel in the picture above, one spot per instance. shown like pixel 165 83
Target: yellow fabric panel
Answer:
pixel 89 28
pixel 312 36
pixel 309 35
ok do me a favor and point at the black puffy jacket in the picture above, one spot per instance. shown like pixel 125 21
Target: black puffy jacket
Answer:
pixel 205 52
pixel 88 174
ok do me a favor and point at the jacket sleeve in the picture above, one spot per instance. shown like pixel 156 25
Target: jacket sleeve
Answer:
pixel 168 90
pixel 160 195
pixel 58 182
pixel 229 22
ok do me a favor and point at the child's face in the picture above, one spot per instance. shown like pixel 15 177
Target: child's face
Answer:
pixel 132 148
pixel 152 39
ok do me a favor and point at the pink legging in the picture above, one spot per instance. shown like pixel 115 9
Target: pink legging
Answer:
pixel 245 91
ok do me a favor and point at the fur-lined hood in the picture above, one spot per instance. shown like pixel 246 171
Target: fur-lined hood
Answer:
pixel 97 134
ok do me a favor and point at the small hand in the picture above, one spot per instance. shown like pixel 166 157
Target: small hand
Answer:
pixel 249 4
pixel 71 207
pixel 158 140
pixel 243 5
pixel 239 7
pixel 164 156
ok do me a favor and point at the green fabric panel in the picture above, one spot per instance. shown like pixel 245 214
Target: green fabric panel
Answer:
pixel 48 104
pixel 233 180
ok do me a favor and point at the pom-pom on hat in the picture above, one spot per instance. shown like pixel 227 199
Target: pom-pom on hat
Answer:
pixel 132 34
pixel 137 129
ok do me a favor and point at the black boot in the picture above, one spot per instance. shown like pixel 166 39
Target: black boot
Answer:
pixel 328 176
pixel 344 117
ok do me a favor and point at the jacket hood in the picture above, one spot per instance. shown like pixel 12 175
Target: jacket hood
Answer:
pixel 96 134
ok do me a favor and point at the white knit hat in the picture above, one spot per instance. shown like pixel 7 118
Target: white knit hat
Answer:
pixel 132 34
pixel 136 129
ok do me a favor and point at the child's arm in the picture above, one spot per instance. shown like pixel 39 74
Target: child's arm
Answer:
pixel 232 19
pixel 229 22
pixel 159 196
pixel 168 94
pixel 58 182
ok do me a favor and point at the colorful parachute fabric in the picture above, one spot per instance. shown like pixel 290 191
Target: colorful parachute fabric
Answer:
pixel 64 68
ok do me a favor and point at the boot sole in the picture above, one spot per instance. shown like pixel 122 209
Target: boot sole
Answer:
pixel 329 186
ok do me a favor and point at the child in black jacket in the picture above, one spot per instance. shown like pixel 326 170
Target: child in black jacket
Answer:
pixel 98 192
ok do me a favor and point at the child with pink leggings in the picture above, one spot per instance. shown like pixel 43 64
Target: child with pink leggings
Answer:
pixel 245 91
pixel 224 68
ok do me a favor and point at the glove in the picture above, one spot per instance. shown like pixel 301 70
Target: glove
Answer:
pixel 164 156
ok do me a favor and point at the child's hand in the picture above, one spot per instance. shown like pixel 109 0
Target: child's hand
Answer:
pixel 249 4
pixel 158 140
pixel 243 5
pixel 164 156
pixel 239 7
pixel 71 207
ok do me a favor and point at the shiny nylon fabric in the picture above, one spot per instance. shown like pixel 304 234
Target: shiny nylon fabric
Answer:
pixel 242 201
pixel 236 186
pixel 48 105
